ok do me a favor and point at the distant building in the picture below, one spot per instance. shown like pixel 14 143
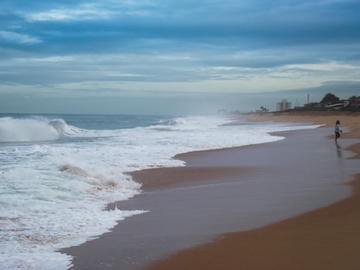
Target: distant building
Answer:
pixel 283 105
pixel 353 102
pixel 313 105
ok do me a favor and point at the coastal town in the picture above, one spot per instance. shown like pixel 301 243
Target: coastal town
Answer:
pixel 332 102
pixel 329 102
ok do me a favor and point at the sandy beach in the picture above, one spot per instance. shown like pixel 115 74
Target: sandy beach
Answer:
pixel 235 208
pixel 326 238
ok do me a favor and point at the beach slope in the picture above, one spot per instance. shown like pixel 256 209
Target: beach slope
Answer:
pixel 327 238
pixel 281 205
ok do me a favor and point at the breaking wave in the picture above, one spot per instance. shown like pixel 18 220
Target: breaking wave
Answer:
pixel 34 129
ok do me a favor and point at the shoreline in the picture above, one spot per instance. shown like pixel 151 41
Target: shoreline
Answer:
pixel 206 168
pixel 325 238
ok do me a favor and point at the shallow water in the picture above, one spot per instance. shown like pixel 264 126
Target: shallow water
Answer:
pixel 45 206
pixel 281 180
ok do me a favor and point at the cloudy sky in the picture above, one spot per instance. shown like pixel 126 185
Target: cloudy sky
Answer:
pixel 175 57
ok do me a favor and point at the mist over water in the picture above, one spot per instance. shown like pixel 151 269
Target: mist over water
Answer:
pixel 58 173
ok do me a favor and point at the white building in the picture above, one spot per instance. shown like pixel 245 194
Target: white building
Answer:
pixel 283 105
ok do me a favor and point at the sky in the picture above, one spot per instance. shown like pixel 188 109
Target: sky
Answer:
pixel 175 57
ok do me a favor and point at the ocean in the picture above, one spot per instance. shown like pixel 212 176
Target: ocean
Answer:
pixel 59 172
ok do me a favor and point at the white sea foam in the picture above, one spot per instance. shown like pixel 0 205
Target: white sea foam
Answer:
pixel 54 188
pixel 33 129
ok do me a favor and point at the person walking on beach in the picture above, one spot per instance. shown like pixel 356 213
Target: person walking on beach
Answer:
pixel 337 130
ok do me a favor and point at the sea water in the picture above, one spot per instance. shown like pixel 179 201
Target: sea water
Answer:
pixel 59 172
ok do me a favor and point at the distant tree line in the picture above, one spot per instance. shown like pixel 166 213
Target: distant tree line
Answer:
pixel 330 98
pixel 332 102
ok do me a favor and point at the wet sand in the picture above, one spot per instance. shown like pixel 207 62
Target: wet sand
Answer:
pixel 228 204
pixel 327 238
pixel 323 239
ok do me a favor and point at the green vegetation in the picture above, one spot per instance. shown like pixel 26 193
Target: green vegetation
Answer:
pixel 330 102
pixel 330 99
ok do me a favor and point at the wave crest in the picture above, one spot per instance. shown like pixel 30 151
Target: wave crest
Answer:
pixel 33 129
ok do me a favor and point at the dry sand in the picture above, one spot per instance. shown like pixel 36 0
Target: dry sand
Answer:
pixel 327 238
pixel 347 119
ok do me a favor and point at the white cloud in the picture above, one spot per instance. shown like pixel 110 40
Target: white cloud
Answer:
pixel 330 66
pixel 18 38
pixel 73 13
pixel 92 11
